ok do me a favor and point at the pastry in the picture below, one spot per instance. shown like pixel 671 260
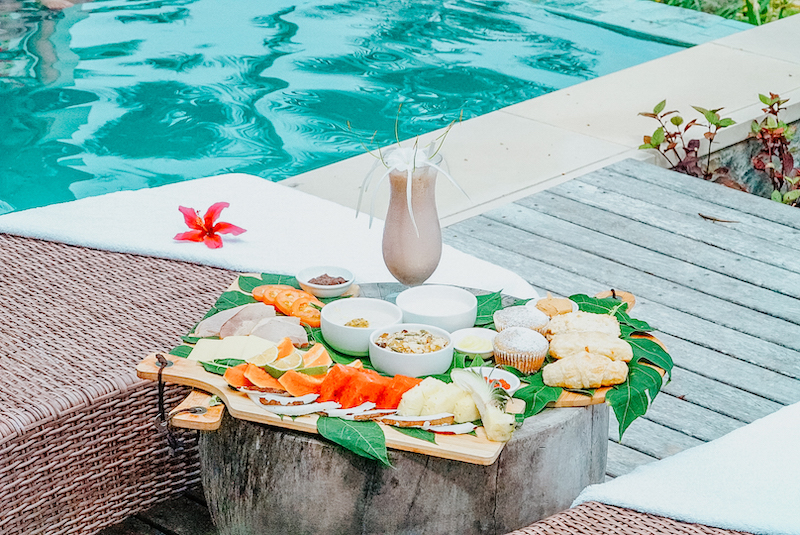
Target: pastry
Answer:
pixel 585 370
pixel 553 306
pixel 520 316
pixel 521 347
pixel 582 322
pixel 567 344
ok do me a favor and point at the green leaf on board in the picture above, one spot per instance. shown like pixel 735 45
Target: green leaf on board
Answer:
pixel 422 434
pixel 220 366
pixel 247 284
pixel 214 401
pixel 632 398
pixel 606 306
pixel 581 391
pixel 315 335
pixel 228 300
pixel 537 395
pixel 363 438
pixel 478 362
pixel 650 351
pixel 487 306
pixel 181 351
pixel 459 360
pixel 189 339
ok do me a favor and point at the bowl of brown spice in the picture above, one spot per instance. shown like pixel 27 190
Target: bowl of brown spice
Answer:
pixel 325 281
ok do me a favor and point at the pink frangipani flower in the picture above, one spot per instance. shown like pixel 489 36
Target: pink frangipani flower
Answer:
pixel 204 228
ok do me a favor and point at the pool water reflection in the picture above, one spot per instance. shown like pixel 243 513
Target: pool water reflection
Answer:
pixel 121 94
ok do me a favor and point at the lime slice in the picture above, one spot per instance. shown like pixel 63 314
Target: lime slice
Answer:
pixel 314 370
pixel 280 366
pixel 267 357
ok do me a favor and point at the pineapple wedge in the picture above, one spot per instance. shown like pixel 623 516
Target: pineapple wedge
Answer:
pixel 412 402
pixel 442 400
pixel 465 409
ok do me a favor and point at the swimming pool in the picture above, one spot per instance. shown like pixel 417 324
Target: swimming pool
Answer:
pixel 120 94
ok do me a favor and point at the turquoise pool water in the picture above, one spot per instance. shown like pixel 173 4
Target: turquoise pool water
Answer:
pixel 126 94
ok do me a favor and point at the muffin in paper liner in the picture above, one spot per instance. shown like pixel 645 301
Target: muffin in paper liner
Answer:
pixel 520 316
pixel 520 347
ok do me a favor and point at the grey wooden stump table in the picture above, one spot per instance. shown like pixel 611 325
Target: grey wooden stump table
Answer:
pixel 263 479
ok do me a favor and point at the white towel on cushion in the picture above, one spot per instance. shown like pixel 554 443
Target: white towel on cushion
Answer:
pixel 747 480
pixel 287 230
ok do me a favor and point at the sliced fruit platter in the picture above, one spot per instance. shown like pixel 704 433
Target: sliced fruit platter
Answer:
pixel 261 350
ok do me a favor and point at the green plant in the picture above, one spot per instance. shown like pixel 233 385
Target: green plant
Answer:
pixel 670 139
pixel 752 11
pixel 775 157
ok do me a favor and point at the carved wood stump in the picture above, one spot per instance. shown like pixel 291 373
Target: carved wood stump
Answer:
pixel 265 480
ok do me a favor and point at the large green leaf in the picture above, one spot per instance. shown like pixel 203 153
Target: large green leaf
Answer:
pixel 650 351
pixel 364 438
pixel 632 398
pixel 181 351
pixel 487 306
pixel 220 366
pixel 416 432
pixel 228 300
pixel 607 306
pixel 248 283
pixel 537 394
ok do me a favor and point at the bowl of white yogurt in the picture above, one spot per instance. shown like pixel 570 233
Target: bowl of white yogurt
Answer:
pixel 447 307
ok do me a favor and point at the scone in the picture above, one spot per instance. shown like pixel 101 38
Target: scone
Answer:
pixel 520 316
pixel 585 371
pixel 582 322
pixel 523 348
pixel 567 344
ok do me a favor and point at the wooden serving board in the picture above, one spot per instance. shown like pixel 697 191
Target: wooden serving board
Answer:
pixel 465 448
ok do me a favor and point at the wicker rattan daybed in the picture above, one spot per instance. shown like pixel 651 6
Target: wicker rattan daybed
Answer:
pixel 78 448
pixel 595 518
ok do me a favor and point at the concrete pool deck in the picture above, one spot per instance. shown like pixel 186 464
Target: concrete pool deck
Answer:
pixel 525 148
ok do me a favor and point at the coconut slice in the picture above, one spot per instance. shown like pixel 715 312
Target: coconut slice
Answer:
pixel 301 410
pixel 455 429
pixel 419 421
pixel 267 398
pixel 338 413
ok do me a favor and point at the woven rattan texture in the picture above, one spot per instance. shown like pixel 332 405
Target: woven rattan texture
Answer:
pixel 78 449
pixel 594 518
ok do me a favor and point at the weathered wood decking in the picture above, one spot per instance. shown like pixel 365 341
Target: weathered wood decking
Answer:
pixel 724 297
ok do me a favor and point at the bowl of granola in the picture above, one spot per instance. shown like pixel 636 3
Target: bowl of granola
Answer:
pixel 411 349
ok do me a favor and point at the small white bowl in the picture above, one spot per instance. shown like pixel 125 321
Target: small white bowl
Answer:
pixel 486 334
pixel 411 364
pixel 447 307
pixel 496 373
pixel 532 303
pixel 354 341
pixel 324 290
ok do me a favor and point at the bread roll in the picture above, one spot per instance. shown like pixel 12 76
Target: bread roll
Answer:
pixel 567 344
pixel 585 371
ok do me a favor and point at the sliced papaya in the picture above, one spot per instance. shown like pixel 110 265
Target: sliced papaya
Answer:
pixel 235 376
pixel 316 356
pixel 300 384
pixel 285 348
pixel 335 382
pixel 399 385
pixel 262 380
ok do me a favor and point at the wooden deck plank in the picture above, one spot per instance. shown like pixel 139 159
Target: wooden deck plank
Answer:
pixel 719 397
pixel 622 459
pixel 651 438
pixel 751 225
pixel 690 419
pixel 744 376
pixel 644 284
pixel 665 242
pixel 545 276
pixel 738 200
pixel 652 262
pixel 693 227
